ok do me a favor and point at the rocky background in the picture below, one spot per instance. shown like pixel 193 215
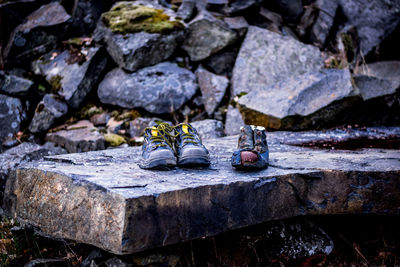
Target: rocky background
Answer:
pixel 81 75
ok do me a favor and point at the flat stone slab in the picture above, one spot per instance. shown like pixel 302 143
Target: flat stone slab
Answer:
pixel 103 198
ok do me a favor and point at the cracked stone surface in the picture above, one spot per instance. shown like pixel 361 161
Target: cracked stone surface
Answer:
pixel 103 198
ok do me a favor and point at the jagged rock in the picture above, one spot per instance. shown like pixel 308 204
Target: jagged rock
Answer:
pixel 11 115
pixel 222 63
pixel 239 24
pixel 82 199
pixel 208 129
pixel 326 10
pixel 47 112
pixel 137 126
pixel 233 121
pixel 374 20
pixel 378 79
pixel 24 152
pixel 86 13
pixel 237 6
pixel 79 137
pixel 100 119
pixel 14 85
pixel 267 57
pixel 135 48
pixel 277 106
pixel 162 88
pixel 70 77
pixel 38 34
pixel 186 10
pixel 290 9
pixel 206 36
pixel 212 89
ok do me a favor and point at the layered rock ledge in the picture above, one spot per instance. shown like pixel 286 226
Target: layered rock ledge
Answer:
pixel 103 198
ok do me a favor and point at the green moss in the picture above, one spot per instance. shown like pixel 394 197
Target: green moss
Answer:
pixel 128 18
pixel 114 139
pixel 128 115
pixel 88 111
pixel 55 83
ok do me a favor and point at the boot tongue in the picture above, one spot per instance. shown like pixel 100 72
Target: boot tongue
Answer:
pixel 185 128
pixel 154 131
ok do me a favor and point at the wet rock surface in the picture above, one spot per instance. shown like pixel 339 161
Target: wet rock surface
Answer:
pixel 266 57
pixel 79 137
pixel 162 88
pixel 47 112
pixel 11 115
pixel 144 209
pixel 71 78
pixel 275 106
pixel 38 34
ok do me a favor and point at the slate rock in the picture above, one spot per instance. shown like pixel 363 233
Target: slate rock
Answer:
pixel 323 22
pixel 266 57
pixel 14 85
pixel 79 137
pixel 233 121
pixel 239 24
pixel 86 13
pixel 374 20
pixel 47 112
pixel 237 6
pixel 24 152
pixel 378 79
pixel 208 128
pixel 222 63
pixel 140 209
pixel 69 78
pixel 290 9
pixel 206 36
pixel 186 10
pixel 162 88
pixel 303 96
pixel 136 50
pixel 212 89
pixel 38 34
pixel 11 115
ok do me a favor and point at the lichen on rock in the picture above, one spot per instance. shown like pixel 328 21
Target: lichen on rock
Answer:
pixel 126 17
pixel 114 139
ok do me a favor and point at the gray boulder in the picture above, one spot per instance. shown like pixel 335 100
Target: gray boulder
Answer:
pixel 162 88
pixel 300 97
pixel 206 36
pixel 378 79
pixel 233 121
pixel 14 85
pixel 38 34
pixel 47 112
pixel 79 137
pixel 266 58
pixel 135 49
pixel 374 20
pixel 208 129
pixel 212 89
pixel 11 116
pixel 70 77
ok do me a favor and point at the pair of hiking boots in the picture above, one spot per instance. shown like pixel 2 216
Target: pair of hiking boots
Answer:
pixel 167 146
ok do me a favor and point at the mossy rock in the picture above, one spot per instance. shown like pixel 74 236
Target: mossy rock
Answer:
pixel 114 139
pixel 125 17
pixel 55 83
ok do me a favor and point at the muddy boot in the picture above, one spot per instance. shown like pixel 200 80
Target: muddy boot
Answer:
pixel 189 148
pixel 252 150
pixel 157 150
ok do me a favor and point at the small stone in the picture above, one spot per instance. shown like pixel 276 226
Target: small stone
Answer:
pixel 70 79
pixel 206 36
pixel 239 24
pixel 159 89
pixel 266 57
pixel 233 121
pixel 38 34
pixel 115 262
pixel 237 6
pixel 114 139
pixel 137 126
pixel 47 112
pixel 11 116
pixel 212 89
pixel 14 85
pixel 276 106
pixel 100 119
pixel 208 128
pixel 222 63
pixel 114 126
pixel 137 45
pixel 79 137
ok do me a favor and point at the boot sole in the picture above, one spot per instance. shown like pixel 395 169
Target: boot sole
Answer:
pixel 194 162
pixel 158 164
